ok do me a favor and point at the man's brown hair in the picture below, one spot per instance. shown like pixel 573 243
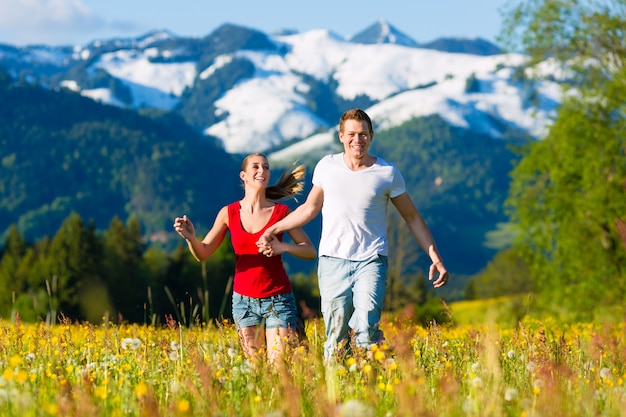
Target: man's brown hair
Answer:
pixel 355 114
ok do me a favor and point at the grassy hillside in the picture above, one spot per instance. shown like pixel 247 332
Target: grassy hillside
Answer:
pixel 62 152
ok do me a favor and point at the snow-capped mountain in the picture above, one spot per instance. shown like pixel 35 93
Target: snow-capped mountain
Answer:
pixel 383 32
pixel 259 92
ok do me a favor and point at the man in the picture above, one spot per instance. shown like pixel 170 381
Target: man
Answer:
pixel 352 190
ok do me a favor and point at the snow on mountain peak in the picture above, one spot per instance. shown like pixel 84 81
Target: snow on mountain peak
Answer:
pixel 273 105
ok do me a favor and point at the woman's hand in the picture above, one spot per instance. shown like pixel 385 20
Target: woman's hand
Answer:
pixel 270 248
pixel 184 227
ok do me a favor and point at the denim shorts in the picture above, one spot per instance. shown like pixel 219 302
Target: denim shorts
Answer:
pixel 277 311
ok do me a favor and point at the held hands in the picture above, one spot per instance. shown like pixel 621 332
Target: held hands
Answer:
pixel 444 277
pixel 268 245
pixel 184 227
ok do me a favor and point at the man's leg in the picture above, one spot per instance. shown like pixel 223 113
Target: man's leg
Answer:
pixel 370 284
pixel 336 299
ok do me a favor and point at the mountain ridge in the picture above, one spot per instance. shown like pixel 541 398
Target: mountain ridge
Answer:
pixel 445 118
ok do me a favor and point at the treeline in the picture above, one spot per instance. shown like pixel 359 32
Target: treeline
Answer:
pixel 86 275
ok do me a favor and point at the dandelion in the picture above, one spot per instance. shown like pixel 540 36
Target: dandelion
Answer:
pixel 477 382
pixel 605 373
pixel 600 395
pixel 52 409
pixel 391 364
pixel 354 408
pixel 510 354
pixel 101 393
pixel 537 385
pixel 173 355
pixel 129 343
pixel 511 394
pixel 183 406
pixel 469 405
pixel 21 376
pixel 174 345
pixel 475 367
pixel 8 375
pixel 531 366
pixel 15 361
pixel 141 389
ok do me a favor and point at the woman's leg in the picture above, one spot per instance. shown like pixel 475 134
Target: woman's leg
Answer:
pixel 252 340
pixel 277 340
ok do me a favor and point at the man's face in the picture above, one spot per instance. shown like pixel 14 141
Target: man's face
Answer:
pixel 356 138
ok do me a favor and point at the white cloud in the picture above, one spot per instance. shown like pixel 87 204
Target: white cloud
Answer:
pixel 31 21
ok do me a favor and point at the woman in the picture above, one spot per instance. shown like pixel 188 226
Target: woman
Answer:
pixel 264 308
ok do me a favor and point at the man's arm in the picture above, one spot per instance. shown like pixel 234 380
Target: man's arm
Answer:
pixel 299 217
pixel 423 236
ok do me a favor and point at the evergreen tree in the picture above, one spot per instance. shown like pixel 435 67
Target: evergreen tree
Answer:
pixel 74 262
pixel 12 282
pixel 125 275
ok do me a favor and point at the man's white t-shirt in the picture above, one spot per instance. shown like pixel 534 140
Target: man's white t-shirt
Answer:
pixel 354 214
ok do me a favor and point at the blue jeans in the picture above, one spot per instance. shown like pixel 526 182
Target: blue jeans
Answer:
pixel 352 294
pixel 275 312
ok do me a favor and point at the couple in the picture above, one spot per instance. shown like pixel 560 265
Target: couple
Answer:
pixel 352 190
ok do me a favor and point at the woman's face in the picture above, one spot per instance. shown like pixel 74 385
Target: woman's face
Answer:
pixel 257 172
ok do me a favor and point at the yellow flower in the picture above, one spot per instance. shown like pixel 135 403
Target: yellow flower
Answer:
pixel 8 375
pixel 15 361
pixel 22 376
pixel 141 389
pixel 101 393
pixel 183 406
pixel 52 409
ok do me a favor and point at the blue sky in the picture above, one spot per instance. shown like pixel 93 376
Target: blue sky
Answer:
pixel 62 22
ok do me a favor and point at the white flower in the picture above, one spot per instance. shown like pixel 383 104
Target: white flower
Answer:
pixel 231 352
pixel 475 367
pixel 510 354
pixel 477 382
pixel 605 373
pixel 174 345
pixel 469 405
pixel 600 395
pixel 531 367
pixel 174 356
pixel 29 358
pixel 355 408
pixel 131 343
pixel 511 394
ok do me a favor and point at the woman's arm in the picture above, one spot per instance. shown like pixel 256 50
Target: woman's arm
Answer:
pixel 201 250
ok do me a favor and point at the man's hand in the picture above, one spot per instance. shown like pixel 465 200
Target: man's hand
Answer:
pixel 265 244
pixel 438 267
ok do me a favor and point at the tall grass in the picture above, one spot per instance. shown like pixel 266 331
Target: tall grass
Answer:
pixel 534 369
